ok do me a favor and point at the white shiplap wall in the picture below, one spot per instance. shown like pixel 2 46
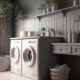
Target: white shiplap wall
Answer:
pixel 61 24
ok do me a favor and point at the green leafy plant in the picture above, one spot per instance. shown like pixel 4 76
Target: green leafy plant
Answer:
pixel 43 29
pixel 47 3
pixel 5 11
pixel 8 10
pixel 18 12
pixel 42 7
pixel 48 29
pixel 5 8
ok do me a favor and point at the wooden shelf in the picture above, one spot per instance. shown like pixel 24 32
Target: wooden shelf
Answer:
pixel 58 11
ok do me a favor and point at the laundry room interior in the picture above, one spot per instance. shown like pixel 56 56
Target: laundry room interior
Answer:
pixel 39 39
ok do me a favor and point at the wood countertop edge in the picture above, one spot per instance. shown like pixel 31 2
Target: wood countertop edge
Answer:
pixel 36 37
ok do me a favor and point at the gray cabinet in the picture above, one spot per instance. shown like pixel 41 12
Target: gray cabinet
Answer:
pixel 62 49
pixel 66 48
pixel 76 50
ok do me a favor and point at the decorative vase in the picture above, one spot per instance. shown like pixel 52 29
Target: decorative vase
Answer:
pixel 49 9
pixel 53 8
pixel 43 33
pixel 74 37
pixel 44 11
pixel 23 34
pixel 69 36
pixel 47 33
pixel 4 63
pixel 75 2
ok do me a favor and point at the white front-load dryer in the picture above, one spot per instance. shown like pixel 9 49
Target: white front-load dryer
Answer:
pixel 15 56
pixel 29 58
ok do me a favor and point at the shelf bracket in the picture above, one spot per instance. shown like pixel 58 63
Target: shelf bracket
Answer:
pixel 64 12
pixel 39 18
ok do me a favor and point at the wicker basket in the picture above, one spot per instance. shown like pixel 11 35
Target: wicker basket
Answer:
pixel 59 74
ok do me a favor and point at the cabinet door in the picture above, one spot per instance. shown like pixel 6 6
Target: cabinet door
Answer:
pixel 62 49
pixel 76 50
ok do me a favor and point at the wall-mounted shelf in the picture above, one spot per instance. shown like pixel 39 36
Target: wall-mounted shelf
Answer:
pixel 58 11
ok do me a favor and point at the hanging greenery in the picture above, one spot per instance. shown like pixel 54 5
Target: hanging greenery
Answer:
pixel 7 9
pixel 47 3
pixel 18 12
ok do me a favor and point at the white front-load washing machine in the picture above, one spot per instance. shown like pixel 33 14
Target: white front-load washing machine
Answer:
pixel 37 58
pixel 15 56
pixel 29 58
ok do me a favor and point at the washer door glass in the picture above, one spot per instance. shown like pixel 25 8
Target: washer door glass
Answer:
pixel 15 54
pixel 29 56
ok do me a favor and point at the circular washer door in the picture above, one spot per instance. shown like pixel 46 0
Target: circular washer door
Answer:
pixel 29 56
pixel 15 54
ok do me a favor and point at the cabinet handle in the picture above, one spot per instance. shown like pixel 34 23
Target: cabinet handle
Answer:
pixel 75 49
pixel 60 49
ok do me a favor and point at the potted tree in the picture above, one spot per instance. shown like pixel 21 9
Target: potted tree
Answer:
pixel 7 11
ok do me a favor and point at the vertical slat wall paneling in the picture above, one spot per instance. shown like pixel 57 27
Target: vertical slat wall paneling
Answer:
pixel 53 23
pixel 36 25
pixel 68 22
pixel 78 22
pixel 43 22
pixel 75 24
pixel 62 24
pixel 36 21
pixel 59 24
pixel 49 22
pixel 40 24
pixel 65 26
pixel 78 26
pixel 72 21
pixel 32 27
pixel 46 22
pixel 27 24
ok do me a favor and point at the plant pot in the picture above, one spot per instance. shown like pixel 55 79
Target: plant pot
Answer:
pixel 75 2
pixel 47 33
pixel 44 11
pixel 49 9
pixel 43 33
pixel 4 63
pixel 53 8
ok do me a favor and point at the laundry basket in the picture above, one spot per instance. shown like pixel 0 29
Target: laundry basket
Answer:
pixel 59 74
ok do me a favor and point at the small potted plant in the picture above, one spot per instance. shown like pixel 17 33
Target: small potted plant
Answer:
pixel 43 31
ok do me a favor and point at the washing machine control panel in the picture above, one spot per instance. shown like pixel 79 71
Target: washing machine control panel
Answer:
pixel 30 41
pixel 15 41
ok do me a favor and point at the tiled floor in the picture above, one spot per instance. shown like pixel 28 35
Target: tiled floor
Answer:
pixel 11 76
